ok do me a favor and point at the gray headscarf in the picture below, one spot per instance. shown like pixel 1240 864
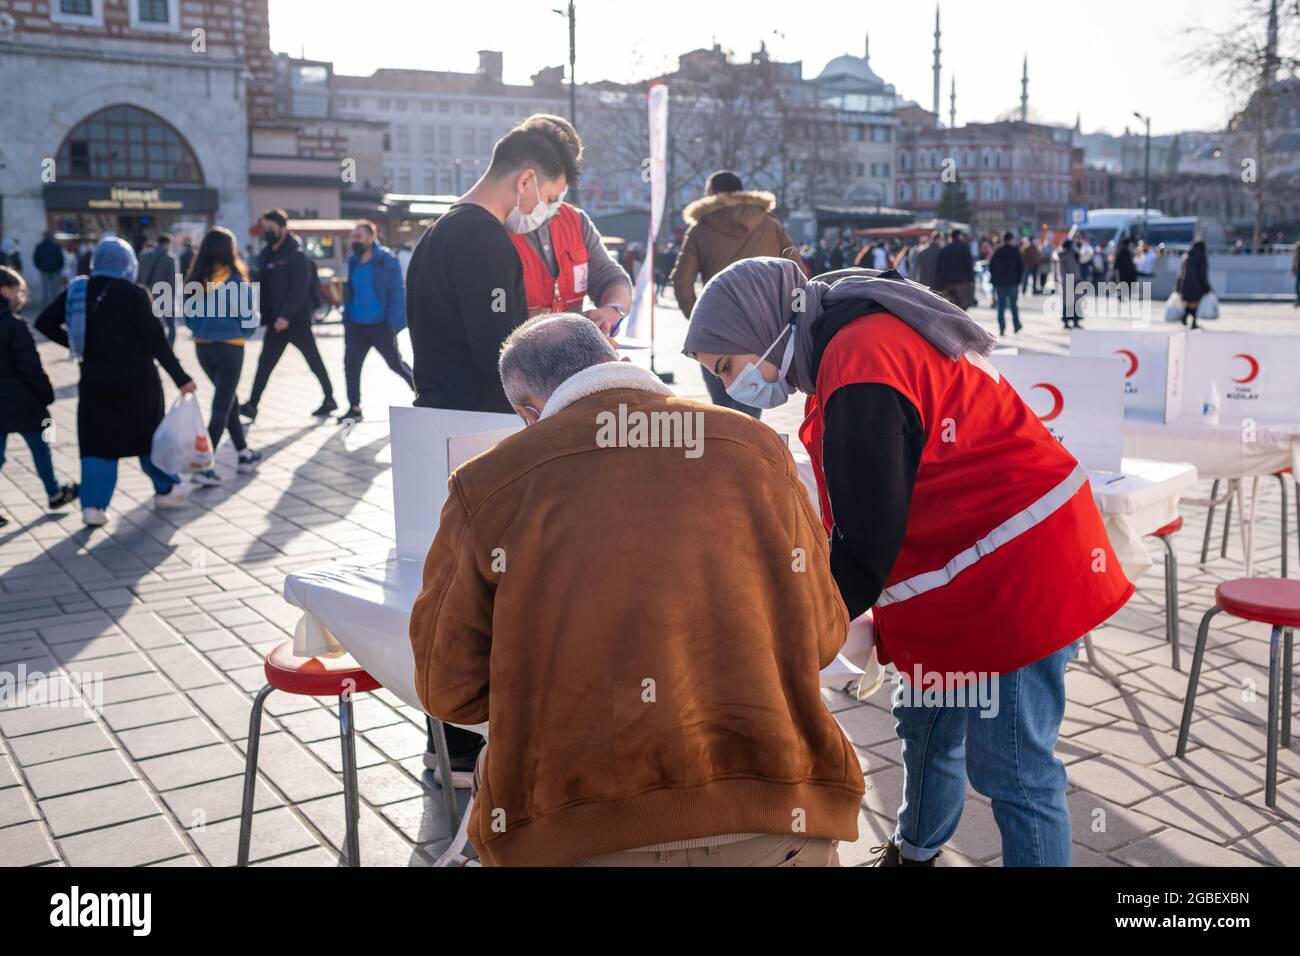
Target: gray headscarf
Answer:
pixel 748 304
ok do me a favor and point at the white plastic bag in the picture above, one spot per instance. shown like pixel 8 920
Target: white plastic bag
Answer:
pixel 1174 308
pixel 180 442
pixel 1209 307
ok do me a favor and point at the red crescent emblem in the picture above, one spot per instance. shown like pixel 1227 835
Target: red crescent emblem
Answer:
pixel 1132 361
pixel 1254 368
pixel 1058 401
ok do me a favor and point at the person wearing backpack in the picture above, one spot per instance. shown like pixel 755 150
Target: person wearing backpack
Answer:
pixel 25 390
pixel 108 324
pixel 221 319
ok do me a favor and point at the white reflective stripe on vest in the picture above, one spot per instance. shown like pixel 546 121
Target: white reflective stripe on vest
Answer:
pixel 1009 530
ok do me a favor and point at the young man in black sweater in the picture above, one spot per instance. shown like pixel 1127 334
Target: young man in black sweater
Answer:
pixel 465 294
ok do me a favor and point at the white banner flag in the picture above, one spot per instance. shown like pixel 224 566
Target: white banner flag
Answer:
pixel 638 328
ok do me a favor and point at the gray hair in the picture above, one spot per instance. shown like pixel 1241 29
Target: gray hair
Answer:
pixel 544 352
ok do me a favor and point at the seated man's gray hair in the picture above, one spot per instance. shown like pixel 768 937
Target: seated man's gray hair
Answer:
pixel 544 352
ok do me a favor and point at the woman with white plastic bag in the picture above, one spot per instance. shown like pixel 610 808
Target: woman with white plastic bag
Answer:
pixel 107 323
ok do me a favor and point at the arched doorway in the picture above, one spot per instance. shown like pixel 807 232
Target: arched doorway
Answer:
pixel 126 170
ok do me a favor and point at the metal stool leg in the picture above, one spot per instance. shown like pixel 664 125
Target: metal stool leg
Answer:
pixel 444 771
pixel 1281 480
pixel 1233 492
pixel 351 801
pixel 1288 685
pixel 250 775
pixel 1274 699
pixel 1209 520
pixel 1171 598
pixel 1198 656
pixel 1091 653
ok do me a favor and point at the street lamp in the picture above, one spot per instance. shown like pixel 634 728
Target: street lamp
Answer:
pixel 1146 173
pixel 573 85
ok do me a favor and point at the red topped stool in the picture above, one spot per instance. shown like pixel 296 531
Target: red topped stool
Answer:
pixel 1274 601
pixel 311 677
pixel 1171 584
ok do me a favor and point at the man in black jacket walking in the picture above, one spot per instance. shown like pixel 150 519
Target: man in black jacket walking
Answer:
pixel 285 277
pixel 1006 269
pixel 956 271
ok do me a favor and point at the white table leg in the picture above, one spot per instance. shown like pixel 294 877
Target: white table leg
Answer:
pixel 1247 520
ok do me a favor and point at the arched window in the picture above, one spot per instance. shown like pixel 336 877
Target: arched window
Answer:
pixel 127 144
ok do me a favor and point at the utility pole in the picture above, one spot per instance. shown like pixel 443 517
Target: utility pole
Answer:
pixel 1146 171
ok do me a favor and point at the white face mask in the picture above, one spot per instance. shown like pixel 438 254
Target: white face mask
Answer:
pixel 752 389
pixel 524 222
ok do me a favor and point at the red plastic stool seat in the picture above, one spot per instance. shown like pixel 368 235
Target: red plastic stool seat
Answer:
pixel 316 676
pixel 1173 526
pixel 1273 601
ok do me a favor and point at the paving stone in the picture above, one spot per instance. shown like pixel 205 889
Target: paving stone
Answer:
pixel 1104 825
pixel 105 806
pixel 26 845
pixel 185 667
pixel 275 832
pixel 1208 815
pixel 153 710
pixel 1123 782
pixel 399 741
pixel 78 773
pixel 192 766
pixel 57 744
pixel 14 808
pixel 1173 847
pixel 381 844
pixel 216 800
pixel 127 844
pixel 157 739
pixel 293 770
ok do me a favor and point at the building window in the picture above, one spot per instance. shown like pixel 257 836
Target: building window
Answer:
pixel 155 15
pixel 125 144
pixel 444 106
pixel 427 139
pixel 467 142
pixel 385 105
pixel 445 178
pixel 401 106
pixel 879 170
pixel 426 107
pixel 430 178
pixel 444 139
pixel 403 139
pixel 880 134
pixel 485 108
pixel 404 180
pixel 485 141
pixel 469 107
pixel 88 13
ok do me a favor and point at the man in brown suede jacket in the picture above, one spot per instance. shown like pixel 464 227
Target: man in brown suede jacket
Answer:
pixel 635 593
pixel 728 223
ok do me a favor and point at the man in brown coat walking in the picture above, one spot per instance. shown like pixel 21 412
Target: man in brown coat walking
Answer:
pixel 728 223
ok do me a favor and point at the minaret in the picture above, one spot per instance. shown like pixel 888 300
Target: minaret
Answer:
pixel 866 47
pixel 1270 50
pixel 1024 91
pixel 936 62
pixel 952 104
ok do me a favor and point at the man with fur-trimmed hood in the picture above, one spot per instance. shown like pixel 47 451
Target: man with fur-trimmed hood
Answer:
pixel 728 223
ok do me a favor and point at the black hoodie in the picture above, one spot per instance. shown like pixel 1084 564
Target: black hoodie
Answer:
pixel 285 278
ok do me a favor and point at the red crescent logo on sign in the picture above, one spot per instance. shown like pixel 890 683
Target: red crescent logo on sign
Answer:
pixel 1132 361
pixel 1058 401
pixel 1254 368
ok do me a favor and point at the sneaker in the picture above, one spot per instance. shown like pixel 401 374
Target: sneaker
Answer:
pixel 326 407
pixel 352 415
pixel 94 517
pixel 248 460
pixel 66 495
pixel 249 411
pixel 176 498
pixel 206 479
pixel 462 769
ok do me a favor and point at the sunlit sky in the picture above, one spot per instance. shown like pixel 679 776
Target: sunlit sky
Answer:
pixel 1102 59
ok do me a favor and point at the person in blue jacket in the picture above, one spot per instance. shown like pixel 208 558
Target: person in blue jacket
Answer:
pixel 374 311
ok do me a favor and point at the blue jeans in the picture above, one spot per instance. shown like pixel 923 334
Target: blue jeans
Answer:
pixel 99 478
pixel 1005 749
pixel 1008 295
pixel 40 458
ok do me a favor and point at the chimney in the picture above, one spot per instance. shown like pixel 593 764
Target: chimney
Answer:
pixel 489 64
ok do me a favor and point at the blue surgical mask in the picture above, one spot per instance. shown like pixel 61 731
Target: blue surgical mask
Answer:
pixel 752 389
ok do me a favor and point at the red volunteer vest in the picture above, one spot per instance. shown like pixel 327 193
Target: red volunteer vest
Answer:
pixel 564 291
pixel 1005 559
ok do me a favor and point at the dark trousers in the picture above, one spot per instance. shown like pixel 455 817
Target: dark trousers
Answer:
pixel 40 458
pixel 1008 295
pixel 358 340
pixel 223 363
pixel 718 392
pixel 299 335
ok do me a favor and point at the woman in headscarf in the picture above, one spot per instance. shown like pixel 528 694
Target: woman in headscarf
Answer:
pixel 952 511
pixel 1193 282
pixel 108 324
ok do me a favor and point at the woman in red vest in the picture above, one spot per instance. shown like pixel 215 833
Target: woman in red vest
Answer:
pixel 952 511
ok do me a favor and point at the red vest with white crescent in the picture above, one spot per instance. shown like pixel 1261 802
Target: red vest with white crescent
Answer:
pixel 1005 559
pixel 564 291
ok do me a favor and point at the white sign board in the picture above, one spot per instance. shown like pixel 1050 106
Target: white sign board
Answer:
pixel 1258 376
pixel 1154 364
pixel 428 444
pixel 1080 400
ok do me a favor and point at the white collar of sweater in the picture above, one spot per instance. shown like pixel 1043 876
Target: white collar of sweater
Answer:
pixel 602 378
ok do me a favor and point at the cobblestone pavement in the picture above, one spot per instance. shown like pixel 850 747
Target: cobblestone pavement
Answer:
pixel 175 610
